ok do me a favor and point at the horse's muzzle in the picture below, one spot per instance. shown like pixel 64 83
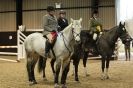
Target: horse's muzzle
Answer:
pixel 77 38
pixel 78 42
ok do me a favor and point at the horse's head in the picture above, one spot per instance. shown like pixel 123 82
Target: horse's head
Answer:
pixel 122 32
pixel 76 29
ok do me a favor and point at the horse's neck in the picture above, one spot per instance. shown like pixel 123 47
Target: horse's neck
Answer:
pixel 112 35
pixel 67 33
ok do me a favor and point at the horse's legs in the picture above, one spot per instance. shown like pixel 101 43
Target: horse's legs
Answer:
pixel 65 70
pixel 85 56
pixel 126 53
pixel 107 67
pixel 57 71
pixel 30 68
pixel 52 65
pixel 32 71
pixel 103 66
pixel 75 58
pixel 44 66
pixel 129 53
pixel 76 63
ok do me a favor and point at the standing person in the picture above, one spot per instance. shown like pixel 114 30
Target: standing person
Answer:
pixel 95 25
pixel 50 26
pixel 62 21
pixel 127 47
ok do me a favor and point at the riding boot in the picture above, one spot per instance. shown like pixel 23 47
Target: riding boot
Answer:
pixel 47 49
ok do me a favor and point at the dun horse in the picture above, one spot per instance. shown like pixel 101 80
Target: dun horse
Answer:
pixel 35 47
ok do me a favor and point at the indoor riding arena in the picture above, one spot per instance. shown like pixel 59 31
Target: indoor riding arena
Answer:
pixel 19 19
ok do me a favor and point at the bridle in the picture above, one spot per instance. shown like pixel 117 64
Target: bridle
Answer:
pixel 74 38
pixel 123 36
pixel 77 34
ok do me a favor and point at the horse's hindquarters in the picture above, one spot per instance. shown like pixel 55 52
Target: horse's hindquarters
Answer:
pixel 35 43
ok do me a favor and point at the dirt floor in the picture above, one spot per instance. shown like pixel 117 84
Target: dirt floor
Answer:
pixel 14 75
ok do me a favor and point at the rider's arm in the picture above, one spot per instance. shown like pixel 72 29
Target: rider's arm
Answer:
pixel 90 23
pixel 45 23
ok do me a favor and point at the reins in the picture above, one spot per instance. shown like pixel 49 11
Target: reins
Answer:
pixel 65 43
pixel 64 39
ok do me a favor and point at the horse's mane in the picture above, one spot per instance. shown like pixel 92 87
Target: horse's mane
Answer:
pixel 112 29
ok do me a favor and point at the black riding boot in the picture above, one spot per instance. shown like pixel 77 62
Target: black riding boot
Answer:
pixel 47 48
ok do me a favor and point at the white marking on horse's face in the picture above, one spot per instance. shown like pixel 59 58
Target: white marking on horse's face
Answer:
pixel 123 29
pixel 76 25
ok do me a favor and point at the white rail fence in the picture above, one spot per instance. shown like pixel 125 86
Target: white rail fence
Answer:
pixel 20 47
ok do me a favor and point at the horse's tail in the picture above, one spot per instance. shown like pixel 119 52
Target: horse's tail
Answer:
pixel 41 64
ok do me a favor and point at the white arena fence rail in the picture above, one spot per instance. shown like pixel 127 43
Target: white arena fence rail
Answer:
pixel 20 48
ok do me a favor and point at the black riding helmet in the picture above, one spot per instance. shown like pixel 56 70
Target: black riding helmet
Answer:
pixel 95 12
pixel 50 8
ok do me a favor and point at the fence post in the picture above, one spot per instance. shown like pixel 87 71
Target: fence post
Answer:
pixel 20 43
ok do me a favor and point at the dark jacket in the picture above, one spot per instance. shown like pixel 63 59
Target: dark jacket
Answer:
pixel 62 22
pixel 94 23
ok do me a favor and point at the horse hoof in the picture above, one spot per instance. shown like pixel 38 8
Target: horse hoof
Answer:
pixel 102 78
pixel 56 86
pixel 87 75
pixel 63 86
pixel 32 83
pixel 107 77
pixel 76 79
pixel 45 79
pixel 78 82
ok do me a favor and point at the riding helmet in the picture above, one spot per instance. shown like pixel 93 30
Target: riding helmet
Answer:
pixel 50 8
pixel 62 12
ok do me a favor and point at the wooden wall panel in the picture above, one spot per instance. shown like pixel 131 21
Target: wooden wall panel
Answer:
pixel 42 4
pixel 80 13
pixel 108 17
pixel 7 21
pixel 106 2
pixel 33 19
pixel 7 5
pixel 7 18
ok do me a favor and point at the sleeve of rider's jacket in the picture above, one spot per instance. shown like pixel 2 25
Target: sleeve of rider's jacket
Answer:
pixel 45 23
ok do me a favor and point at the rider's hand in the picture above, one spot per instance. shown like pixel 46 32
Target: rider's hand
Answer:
pixel 53 31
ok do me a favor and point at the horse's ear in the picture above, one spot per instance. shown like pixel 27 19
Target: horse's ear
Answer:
pixel 120 24
pixel 80 20
pixel 71 20
pixel 124 23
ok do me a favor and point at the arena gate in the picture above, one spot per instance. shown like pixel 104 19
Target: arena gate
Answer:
pixel 12 44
